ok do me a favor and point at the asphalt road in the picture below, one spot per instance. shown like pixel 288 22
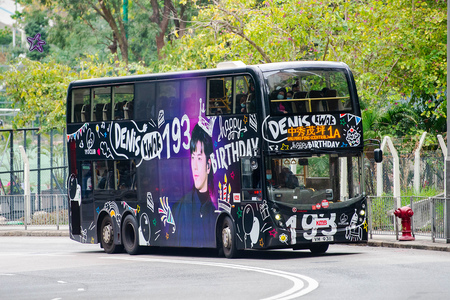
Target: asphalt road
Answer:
pixel 58 268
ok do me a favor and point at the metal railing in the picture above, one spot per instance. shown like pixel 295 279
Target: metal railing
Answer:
pixel 428 219
pixel 42 210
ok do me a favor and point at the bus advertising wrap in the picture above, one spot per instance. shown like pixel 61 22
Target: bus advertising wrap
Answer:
pixel 190 171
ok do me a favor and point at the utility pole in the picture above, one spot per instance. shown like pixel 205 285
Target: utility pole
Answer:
pixel 447 159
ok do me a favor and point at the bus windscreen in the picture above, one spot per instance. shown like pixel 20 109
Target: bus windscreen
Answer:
pixel 301 91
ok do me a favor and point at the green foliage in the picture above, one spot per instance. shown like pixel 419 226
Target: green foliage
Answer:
pixel 392 55
pixel 39 89
pixel 5 36
pixel 37 23
pixel 398 59
pixel 73 40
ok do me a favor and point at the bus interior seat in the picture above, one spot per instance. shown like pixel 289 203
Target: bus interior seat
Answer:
pixel 333 104
pixel 118 110
pixel 128 110
pixel 86 113
pixel 98 112
pixel 300 106
pixel 77 113
pixel 106 112
pixel 315 104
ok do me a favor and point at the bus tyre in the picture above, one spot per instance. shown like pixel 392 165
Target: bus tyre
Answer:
pixel 130 237
pixel 319 248
pixel 228 239
pixel 107 236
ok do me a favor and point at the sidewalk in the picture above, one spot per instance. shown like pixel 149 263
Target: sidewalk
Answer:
pixel 421 242
pixel 34 230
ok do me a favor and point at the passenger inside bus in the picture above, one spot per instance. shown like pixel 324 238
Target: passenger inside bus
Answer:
pixel 243 103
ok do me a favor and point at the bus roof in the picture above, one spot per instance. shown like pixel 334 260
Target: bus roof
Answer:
pixel 225 69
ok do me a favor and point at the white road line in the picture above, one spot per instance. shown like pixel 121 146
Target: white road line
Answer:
pixel 297 290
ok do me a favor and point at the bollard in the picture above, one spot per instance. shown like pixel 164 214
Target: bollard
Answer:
pixel 405 213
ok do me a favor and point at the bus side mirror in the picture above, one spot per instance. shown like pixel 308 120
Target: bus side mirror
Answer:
pixel 378 155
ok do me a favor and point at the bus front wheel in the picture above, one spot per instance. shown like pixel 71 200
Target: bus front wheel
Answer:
pixel 227 241
pixel 130 235
pixel 107 236
pixel 319 248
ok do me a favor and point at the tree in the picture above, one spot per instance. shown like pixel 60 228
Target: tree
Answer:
pixel 39 89
pixel 396 57
pixel 37 23
pixel 5 36
pixel 147 29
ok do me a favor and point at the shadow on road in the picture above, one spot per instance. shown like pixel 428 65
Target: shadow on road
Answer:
pixel 247 254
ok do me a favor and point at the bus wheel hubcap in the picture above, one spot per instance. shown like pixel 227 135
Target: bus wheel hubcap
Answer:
pixel 226 237
pixel 107 231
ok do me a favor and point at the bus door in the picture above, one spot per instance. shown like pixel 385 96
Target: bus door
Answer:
pixel 74 191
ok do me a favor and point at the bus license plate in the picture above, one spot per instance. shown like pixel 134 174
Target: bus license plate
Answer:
pixel 323 239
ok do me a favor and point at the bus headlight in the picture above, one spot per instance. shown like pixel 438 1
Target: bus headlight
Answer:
pixel 362 212
pixel 278 217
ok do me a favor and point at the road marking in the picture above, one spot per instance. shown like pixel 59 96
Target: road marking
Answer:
pixel 297 290
pixel 7 274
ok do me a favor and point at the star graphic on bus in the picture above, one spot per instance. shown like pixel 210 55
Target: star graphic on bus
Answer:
pixel 261 242
pixel 365 225
pixel 154 222
pixel 138 209
pixel 36 43
pixel 343 122
pixel 239 213
pixel 284 147
pixel 273 232
pixel 245 119
pixel 232 175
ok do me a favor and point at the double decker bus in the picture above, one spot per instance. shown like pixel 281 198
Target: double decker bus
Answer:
pixel 239 157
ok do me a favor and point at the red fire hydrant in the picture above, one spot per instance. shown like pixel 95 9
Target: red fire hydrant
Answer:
pixel 405 213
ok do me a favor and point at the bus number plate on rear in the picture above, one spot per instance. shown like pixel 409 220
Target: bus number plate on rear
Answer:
pixel 323 239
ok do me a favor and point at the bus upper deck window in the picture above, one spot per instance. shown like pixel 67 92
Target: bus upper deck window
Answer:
pixel 123 104
pixel 80 100
pixel 299 91
pixel 231 95
pixel 101 104
pixel 219 94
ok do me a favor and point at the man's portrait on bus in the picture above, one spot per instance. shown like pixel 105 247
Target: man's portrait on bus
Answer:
pixel 194 212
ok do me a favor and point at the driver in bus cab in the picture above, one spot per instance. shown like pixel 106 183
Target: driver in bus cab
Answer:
pixel 194 214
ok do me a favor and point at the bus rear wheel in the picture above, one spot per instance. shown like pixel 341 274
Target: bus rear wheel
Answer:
pixel 227 239
pixel 319 248
pixel 130 235
pixel 107 236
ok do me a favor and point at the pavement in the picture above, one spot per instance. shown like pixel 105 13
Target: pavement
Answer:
pixel 34 230
pixel 385 240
